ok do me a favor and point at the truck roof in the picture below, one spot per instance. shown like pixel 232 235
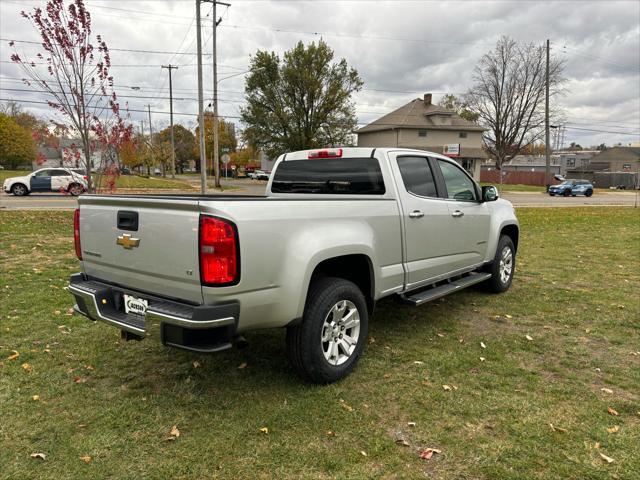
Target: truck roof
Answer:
pixel 350 152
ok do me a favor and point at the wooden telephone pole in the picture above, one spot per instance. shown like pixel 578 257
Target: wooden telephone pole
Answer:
pixel 173 146
pixel 547 141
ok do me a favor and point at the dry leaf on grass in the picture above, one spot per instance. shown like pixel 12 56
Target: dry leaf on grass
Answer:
pixel 264 430
pixel 508 316
pixel 174 431
pixel 606 458
pixel 403 442
pixel 35 397
pixel 483 345
pixel 427 453
pixel 482 359
pixel 79 380
pixel 27 367
pixel 242 366
pixel 14 355
pixel 196 364
pixel 331 433
pixel 606 390
pixel 446 388
pixel 411 424
pixel 557 429
pixel 614 429
pixel 39 456
pixel 86 459
pixel 363 453
pixel 529 337
pixel 612 412
pixel 441 335
pixel 346 406
pixel 418 362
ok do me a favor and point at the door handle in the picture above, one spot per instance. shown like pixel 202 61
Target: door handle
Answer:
pixel 416 214
pixel 457 213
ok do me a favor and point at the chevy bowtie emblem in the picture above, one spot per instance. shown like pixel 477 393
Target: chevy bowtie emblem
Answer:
pixel 127 242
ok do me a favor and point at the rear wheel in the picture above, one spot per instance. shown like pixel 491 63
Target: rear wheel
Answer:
pixel 566 193
pixel 588 193
pixel 503 266
pixel 327 344
pixel 75 189
pixel 19 190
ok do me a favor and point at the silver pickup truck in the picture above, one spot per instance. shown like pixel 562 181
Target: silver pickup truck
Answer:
pixel 337 230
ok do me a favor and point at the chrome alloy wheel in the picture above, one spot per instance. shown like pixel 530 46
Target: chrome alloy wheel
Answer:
pixel 506 265
pixel 340 332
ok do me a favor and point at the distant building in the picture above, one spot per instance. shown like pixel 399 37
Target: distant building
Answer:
pixel 68 153
pixel 560 162
pixel 422 125
pixel 616 159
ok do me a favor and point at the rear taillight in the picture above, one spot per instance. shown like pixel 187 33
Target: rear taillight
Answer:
pixel 325 153
pixel 76 233
pixel 219 256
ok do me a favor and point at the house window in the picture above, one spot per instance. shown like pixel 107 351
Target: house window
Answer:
pixel 462 135
pixel 571 162
pixel 422 133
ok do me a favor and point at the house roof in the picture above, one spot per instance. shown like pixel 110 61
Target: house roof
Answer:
pixel 419 113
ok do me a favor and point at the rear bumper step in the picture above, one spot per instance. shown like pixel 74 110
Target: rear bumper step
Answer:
pixel 433 293
pixel 201 328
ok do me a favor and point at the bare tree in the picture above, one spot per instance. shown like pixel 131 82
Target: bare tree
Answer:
pixel 508 96
pixel 77 78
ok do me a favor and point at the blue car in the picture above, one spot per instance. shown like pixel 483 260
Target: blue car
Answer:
pixel 572 188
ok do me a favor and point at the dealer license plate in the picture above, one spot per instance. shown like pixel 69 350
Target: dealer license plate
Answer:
pixel 135 305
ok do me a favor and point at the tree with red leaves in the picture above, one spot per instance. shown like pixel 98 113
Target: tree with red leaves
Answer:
pixel 77 77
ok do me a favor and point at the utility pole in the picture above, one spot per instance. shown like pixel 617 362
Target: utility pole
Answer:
pixel 173 146
pixel 153 156
pixel 216 148
pixel 546 125
pixel 203 156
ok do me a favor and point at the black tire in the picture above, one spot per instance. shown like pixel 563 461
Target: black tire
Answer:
pixel 566 193
pixel 304 340
pixel 588 193
pixel 19 190
pixel 495 283
pixel 552 194
pixel 75 189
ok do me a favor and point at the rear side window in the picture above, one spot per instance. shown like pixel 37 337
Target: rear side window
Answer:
pixel 340 176
pixel 417 176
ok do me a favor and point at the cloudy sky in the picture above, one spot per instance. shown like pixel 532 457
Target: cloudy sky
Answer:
pixel 401 49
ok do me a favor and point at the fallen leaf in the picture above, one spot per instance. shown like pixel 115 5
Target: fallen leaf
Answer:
pixel 27 367
pixel 557 429
pixel 86 459
pixel 508 316
pixel 596 445
pixel 403 442
pixel 418 362
pixel 363 453
pixel 14 355
pixel 427 453
pixel 331 433
pixel 57 312
pixel 606 458
pixel 371 340
pixel 529 337
pixel 174 431
pixel 614 429
pixel 196 364
pixel 482 359
pixel 70 311
pixel 40 456
pixel 79 380
pixel 612 412
pixel 411 424
pixel 35 398
pixel 483 345
pixel 346 406
pixel 242 366
pixel 441 335
pixel 446 388
pixel 606 390
pixel 264 430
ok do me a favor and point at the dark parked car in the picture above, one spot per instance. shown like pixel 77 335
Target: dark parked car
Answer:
pixel 572 188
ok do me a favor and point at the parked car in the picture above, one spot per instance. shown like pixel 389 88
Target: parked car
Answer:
pixel 47 180
pixel 572 188
pixel 338 230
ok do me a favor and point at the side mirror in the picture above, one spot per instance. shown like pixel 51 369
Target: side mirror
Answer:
pixel 490 193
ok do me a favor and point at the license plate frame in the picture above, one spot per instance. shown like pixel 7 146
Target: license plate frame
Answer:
pixel 135 305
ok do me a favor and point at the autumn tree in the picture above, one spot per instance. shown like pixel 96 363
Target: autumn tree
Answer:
pixel 185 144
pixel 76 76
pixel 451 102
pixel 303 100
pixel 227 141
pixel 508 95
pixel 16 144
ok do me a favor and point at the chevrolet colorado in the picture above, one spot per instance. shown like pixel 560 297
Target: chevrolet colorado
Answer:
pixel 337 230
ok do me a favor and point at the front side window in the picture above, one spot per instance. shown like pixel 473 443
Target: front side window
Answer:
pixel 459 185
pixel 59 173
pixel 339 176
pixel 417 176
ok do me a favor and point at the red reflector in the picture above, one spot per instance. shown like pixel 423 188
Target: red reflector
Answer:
pixel 326 153
pixel 218 252
pixel 76 233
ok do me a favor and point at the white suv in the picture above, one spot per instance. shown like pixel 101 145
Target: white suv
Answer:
pixel 47 180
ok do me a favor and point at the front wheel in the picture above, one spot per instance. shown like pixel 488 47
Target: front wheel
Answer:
pixel 503 266
pixel 588 193
pixel 76 189
pixel 19 190
pixel 327 344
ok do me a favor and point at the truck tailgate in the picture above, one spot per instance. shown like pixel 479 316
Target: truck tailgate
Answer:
pixel 143 243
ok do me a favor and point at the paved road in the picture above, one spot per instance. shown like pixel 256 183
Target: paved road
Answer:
pixel 42 201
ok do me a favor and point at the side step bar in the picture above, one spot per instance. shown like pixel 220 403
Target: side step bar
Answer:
pixel 424 296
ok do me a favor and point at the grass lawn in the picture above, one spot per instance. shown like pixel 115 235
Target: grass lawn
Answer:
pixel 562 349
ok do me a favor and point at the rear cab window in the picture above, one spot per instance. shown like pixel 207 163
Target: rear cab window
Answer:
pixel 338 176
pixel 417 176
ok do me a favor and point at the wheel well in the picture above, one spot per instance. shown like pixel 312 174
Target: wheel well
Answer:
pixel 355 268
pixel 512 232
pixel 19 183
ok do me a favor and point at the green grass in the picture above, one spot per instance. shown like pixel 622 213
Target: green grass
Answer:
pixel 575 294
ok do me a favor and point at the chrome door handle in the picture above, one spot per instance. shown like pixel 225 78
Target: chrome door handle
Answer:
pixel 416 214
pixel 457 213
